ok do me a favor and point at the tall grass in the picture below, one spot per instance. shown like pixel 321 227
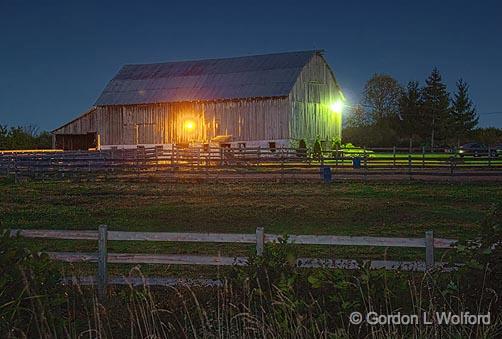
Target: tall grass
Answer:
pixel 271 297
pixel 252 310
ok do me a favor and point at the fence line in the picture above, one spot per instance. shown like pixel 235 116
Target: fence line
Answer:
pixel 260 238
pixel 211 161
pixel 234 238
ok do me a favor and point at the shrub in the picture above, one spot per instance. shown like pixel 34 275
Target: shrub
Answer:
pixel 30 291
pixel 317 149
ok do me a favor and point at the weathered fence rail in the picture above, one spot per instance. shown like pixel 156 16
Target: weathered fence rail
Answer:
pixel 210 162
pixel 260 238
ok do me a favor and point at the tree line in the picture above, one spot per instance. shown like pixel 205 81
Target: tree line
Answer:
pixel 24 137
pixel 392 114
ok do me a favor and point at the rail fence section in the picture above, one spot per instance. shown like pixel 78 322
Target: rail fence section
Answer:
pixel 260 238
pixel 215 162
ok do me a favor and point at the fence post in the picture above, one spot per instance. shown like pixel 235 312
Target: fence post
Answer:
pixel 409 165
pixel 365 159
pixel 102 262
pixel 489 157
pixel 394 156
pixel 260 240
pixel 208 155
pixel 16 180
pixel 282 162
pixel 429 250
pixel 336 156
pixel 172 157
pixel 423 156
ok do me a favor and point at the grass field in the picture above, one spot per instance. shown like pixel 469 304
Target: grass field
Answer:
pixel 372 209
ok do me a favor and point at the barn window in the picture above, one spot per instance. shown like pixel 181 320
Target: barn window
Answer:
pixel 314 92
pixel 242 145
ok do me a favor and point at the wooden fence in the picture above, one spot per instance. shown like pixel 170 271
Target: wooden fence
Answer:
pixel 220 162
pixel 260 238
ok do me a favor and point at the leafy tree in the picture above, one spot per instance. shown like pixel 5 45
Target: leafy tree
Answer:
pixel 358 117
pixel 410 111
pixel 19 139
pixel 463 113
pixel 381 95
pixel 43 140
pixel 26 137
pixel 488 136
pixel 4 133
pixel 436 107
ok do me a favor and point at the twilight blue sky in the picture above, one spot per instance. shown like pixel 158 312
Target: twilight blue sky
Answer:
pixel 56 56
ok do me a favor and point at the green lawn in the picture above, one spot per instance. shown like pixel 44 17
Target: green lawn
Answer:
pixel 373 209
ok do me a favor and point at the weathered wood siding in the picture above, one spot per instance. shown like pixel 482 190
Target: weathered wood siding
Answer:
pixel 260 119
pixel 304 114
pixel 310 100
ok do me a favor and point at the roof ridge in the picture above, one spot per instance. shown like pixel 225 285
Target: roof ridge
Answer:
pixel 313 51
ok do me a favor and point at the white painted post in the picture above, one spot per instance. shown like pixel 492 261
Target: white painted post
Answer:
pixel 429 250
pixel 102 278
pixel 260 240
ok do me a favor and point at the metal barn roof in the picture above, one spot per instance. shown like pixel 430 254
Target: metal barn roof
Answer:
pixel 270 75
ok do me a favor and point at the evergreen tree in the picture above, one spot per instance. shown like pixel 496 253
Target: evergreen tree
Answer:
pixel 411 117
pixel 436 107
pixel 463 113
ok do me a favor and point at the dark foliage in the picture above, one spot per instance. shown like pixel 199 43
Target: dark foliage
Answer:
pixel 27 137
pixel 463 114
pixel 416 116
pixel 436 109
pixel 30 292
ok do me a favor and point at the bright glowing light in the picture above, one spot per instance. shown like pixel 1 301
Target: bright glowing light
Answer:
pixel 337 106
pixel 189 125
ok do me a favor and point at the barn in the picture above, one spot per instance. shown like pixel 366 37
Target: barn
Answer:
pixel 267 100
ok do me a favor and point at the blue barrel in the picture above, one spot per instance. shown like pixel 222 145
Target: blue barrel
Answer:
pixel 326 174
pixel 356 162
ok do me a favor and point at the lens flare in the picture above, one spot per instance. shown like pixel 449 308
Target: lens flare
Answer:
pixel 189 125
pixel 337 106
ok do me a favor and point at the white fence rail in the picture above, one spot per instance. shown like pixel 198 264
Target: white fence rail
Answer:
pixel 260 238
